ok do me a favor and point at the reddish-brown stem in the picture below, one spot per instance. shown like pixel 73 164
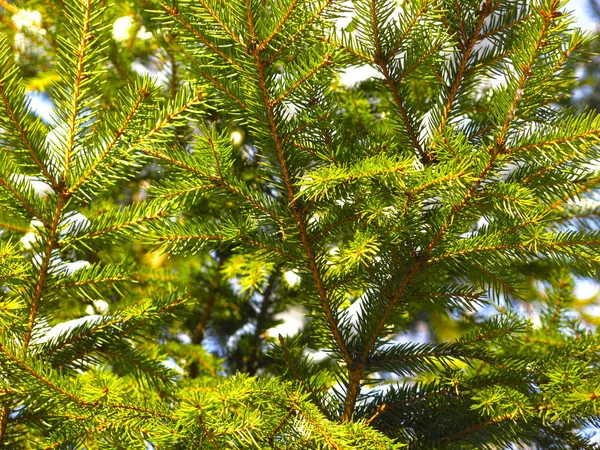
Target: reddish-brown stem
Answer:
pixel 467 49
pixel 92 169
pixel 44 269
pixel 422 260
pixel 293 201
pixel 280 25
pixel 3 422
pixel 24 138
pixel 80 75
pixel 381 61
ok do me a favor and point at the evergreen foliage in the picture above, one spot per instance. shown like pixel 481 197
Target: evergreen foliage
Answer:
pixel 586 94
pixel 156 228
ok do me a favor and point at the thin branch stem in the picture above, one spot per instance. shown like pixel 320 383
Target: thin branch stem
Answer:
pixel 80 75
pixel 24 138
pixel 293 201
pixel 92 169
pixel 381 62
pixel 44 269
pixel 5 412
pixel 467 48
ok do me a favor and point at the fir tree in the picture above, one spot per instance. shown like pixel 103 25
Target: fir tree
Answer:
pixel 185 209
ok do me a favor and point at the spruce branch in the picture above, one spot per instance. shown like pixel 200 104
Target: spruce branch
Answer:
pixel 95 167
pixel 81 52
pixel 381 60
pixel 51 242
pixel 18 114
pixel 205 5
pixel 318 12
pixel 197 34
pixel 354 390
pixel 291 195
pixel 41 375
pixel 404 207
pixel 286 15
pixel 466 45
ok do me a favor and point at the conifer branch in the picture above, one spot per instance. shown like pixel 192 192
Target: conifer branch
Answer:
pixel 520 245
pixel 23 201
pixel 293 200
pixel 255 203
pixel 93 168
pixel 125 326
pixel 211 142
pixel 565 55
pixel 291 366
pixel 435 182
pixel 381 62
pixel 478 250
pixel 299 30
pixel 553 142
pixel 328 438
pixel 579 189
pixel 467 46
pixel 505 26
pixel 216 182
pixel 176 162
pixel 80 76
pixel 553 206
pixel 555 165
pixel 325 61
pixel 422 260
pixel 526 74
pixel 306 149
pixel 185 237
pixel 24 137
pixel 139 409
pixel 182 192
pixel 175 14
pixel 167 121
pixel 41 378
pixel 333 226
pixel 326 186
pixel 107 280
pixel 134 363
pixel 507 287
pixel 355 373
pixel 51 243
pixel 257 244
pixel 282 22
pixel 98 429
pixel 215 81
pixel 207 432
pixel 279 426
pixel 477 67
pixel 366 58
pixel 125 224
pixel 479 426
pixel 413 22
pixel 8 226
pixel 419 61
pixel 222 24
